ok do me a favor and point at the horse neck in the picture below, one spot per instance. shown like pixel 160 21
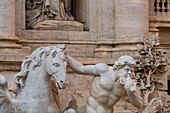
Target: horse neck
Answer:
pixel 38 81
pixel 37 93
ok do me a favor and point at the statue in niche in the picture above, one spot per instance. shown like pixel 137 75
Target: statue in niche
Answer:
pixel 35 93
pixel 109 85
pixel 41 10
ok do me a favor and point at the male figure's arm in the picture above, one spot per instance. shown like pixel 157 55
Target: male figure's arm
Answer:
pixel 131 91
pixel 96 70
pixel 134 99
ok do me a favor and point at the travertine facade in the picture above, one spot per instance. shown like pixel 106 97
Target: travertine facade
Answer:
pixel 112 28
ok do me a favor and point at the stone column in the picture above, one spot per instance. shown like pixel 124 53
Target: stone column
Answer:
pixel 11 53
pixel 7 24
pixel 132 18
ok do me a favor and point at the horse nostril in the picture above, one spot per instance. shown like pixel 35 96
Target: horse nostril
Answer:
pixel 61 81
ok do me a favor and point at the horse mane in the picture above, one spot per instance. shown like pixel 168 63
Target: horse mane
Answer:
pixel 36 59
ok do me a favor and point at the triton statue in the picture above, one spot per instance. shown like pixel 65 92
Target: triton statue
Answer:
pixel 109 85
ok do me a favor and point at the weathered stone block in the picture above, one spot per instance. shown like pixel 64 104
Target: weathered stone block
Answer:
pixel 81 50
pixel 44 35
pixel 116 55
pixel 131 18
pixel 59 25
pixel 106 19
pixel 78 35
pixel 103 54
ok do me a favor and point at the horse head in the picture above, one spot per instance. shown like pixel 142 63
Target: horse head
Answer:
pixel 51 58
pixel 56 66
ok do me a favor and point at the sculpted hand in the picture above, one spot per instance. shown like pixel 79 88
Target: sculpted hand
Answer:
pixel 130 85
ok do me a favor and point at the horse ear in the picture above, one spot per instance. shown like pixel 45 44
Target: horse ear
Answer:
pixel 61 46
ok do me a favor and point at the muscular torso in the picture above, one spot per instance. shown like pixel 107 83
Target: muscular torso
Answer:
pixel 106 92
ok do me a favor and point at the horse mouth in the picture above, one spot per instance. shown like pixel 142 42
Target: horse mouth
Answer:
pixel 60 85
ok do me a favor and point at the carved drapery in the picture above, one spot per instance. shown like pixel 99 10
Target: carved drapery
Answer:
pixel 40 10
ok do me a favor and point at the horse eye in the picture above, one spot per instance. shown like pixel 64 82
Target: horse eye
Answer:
pixel 64 60
pixel 56 64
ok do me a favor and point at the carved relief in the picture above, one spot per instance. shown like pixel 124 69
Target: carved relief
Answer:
pixel 150 68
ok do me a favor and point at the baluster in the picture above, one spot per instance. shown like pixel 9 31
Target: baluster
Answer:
pixel 163 7
pixel 159 7
pixel 168 7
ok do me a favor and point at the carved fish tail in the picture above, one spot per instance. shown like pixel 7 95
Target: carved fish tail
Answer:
pixel 72 104
pixel 55 95
pixel 6 104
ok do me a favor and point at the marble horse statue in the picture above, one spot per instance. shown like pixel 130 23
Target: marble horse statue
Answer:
pixel 33 83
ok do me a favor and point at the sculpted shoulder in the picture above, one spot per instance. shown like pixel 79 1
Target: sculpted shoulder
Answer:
pixel 102 69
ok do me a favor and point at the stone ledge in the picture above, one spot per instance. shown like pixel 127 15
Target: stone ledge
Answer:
pixel 87 61
pixel 11 58
pixel 10 46
pixel 15 51
pixel 115 49
pixel 9 38
pixel 14 55
pixel 59 25
pixel 8 66
pixel 57 42
pixel 159 18
pixel 92 42
pixel 155 24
